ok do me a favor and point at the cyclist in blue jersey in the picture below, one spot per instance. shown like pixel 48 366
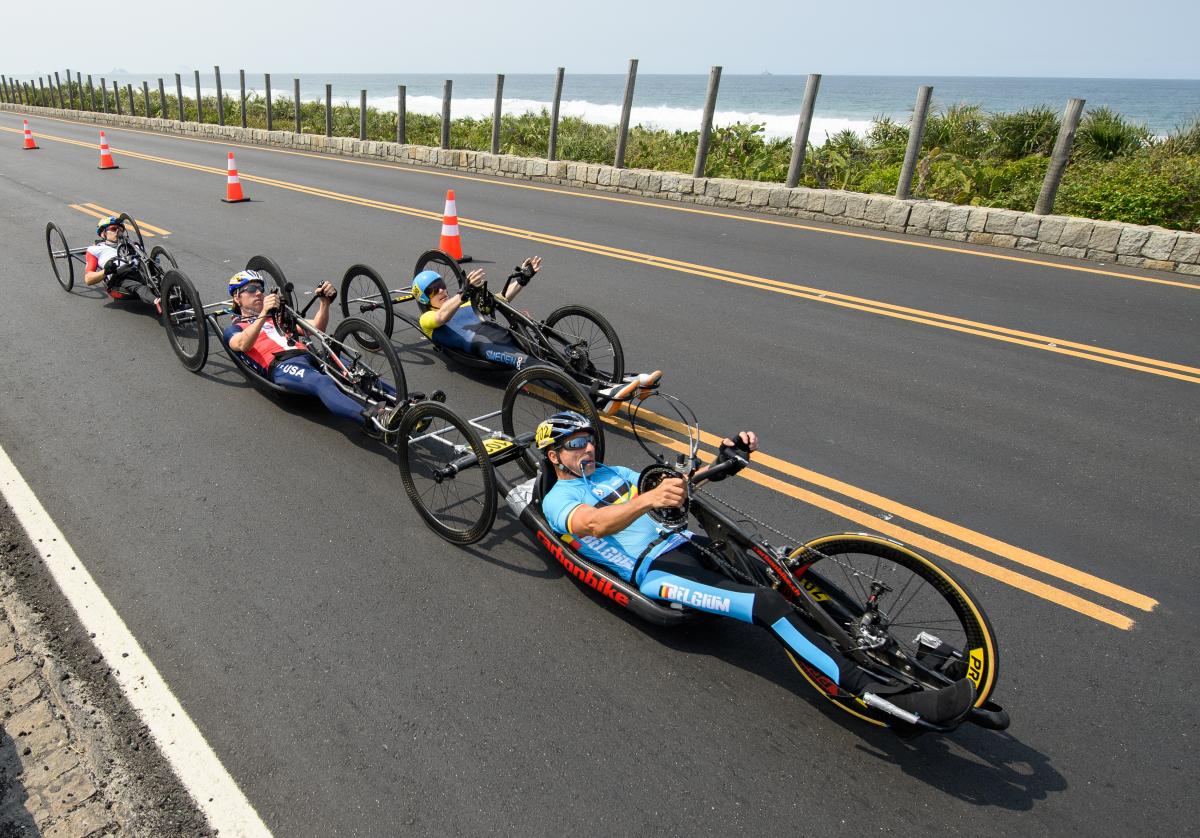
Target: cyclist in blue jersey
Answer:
pixel 600 506
pixel 452 321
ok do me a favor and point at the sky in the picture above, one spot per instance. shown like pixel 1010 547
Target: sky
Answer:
pixel 1064 38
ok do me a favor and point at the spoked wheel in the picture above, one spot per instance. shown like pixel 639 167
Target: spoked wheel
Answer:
pixel 535 394
pixel 128 220
pixel 365 295
pixel 444 264
pixel 162 257
pixel 446 473
pixel 589 340
pixel 61 261
pixel 926 627
pixel 183 318
pixel 265 264
pixel 375 353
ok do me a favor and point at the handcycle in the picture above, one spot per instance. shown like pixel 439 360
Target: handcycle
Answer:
pixel 151 267
pixel 892 611
pixel 360 360
pixel 574 338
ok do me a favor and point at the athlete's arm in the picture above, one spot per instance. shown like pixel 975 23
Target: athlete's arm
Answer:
pixel 746 442
pixel 606 520
pixel 244 339
pixel 452 304
pixel 92 272
pixel 514 286
pixel 321 320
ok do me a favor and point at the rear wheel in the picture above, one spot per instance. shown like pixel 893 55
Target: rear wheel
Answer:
pixel 377 355
pixel 925 629
pixel 444 265
pixel 535 394
pixel 365 295
pixel 589 341
pixel 446 473
pixel 61 261
pixel 183 318
pixel 267 265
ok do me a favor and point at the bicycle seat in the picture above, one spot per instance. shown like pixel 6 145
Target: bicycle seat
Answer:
pixel 543 482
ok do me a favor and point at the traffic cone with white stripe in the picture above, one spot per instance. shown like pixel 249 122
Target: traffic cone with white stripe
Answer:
pixel 106 161
pixel 30 145
pixel 233 186
pixel 451 243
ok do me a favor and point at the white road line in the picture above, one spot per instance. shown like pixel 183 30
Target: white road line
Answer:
pixel 176 735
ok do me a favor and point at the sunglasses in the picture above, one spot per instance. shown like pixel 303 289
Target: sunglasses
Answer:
pixel 578 443
pixel 113 227
pixel 435 288
pixel 251 288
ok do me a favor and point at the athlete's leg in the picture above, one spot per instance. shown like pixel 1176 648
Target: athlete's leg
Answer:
pixel 298 375
pixel 492 342
pixel 133 286
pixel 680 576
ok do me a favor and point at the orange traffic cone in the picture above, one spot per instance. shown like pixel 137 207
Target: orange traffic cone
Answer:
pixel 233 186
pixel 29 143
pixel 451 243
pixel 106 161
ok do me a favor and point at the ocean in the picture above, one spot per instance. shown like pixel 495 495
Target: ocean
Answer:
pixel 676 101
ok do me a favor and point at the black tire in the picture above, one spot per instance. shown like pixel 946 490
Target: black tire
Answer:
pixel 365 296
pixel 460 507
pixel 160 255
pixel 375 352
pixel 444 264
pixel 265 264
pixel 924 599
pixel 56 243
pixel 126 218
pixel 595 347
pixel 534 394
pixel 183 318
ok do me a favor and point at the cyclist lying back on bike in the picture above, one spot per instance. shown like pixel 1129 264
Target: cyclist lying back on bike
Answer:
pixel 600 506
pixel 452 321
pixel 284 360
pixel 103 264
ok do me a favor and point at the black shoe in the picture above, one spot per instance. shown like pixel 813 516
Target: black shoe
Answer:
pixel 946 706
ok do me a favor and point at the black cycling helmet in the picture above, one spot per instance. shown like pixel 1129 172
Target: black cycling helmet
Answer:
pixel 558 427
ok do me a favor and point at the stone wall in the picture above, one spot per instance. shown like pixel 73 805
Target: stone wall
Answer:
pixel 1054 235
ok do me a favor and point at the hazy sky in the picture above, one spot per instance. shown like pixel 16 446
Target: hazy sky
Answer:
pixel 1104 38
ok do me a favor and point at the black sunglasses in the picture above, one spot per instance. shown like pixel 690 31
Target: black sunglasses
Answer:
pixel 434 287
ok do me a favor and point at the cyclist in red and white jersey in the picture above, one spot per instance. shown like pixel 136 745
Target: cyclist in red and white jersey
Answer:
pixel 120 276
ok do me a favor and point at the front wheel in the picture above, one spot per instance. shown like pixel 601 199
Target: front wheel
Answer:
pixel 537 393
pixel 183 318
pixel 925 627
pixel 446 473
pixel 589 342
pixel 365 295
pixel 375 355
pixel 61 261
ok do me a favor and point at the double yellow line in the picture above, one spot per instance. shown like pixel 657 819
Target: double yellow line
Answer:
pixel 96 211
pixel 894 509
pixel 1032 340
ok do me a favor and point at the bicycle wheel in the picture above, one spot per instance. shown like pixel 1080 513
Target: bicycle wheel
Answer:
pixel 446 267
pixel 126 218
pixel 928 629
pixel 536 393
pixel 446 473
pixel 265 264
pixel 365 295
pixel 163 258
pixel 375 354
pixel 590 341
pixel 56 247
pixel 183 318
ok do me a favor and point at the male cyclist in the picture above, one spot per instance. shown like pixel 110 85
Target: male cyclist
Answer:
pixel 283 359
pixel 452 321
pixel 120 276
pixel 600 506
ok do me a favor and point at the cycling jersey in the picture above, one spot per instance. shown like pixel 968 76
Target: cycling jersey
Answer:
pixel 267 347
pixel 98 255
pixel 642 540
pixel 467 332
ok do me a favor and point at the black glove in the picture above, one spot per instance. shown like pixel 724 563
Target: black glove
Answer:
pixel 739 450
pixel 468 294
pixel 110 267
pixel 522 274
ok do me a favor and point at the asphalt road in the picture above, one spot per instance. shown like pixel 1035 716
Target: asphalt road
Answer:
pixel 359 677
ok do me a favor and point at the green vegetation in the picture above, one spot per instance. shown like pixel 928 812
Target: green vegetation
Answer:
pixel 1118 170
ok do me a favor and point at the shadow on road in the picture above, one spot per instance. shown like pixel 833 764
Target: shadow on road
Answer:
pixel 15 819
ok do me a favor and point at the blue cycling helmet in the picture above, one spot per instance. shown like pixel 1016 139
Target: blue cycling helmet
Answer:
pixel 243 278
pixel 104 223
pixel 558 427
pixel 421 283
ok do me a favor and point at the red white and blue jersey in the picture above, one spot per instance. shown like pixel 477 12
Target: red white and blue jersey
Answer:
pixel 269 343
pixel 98 255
